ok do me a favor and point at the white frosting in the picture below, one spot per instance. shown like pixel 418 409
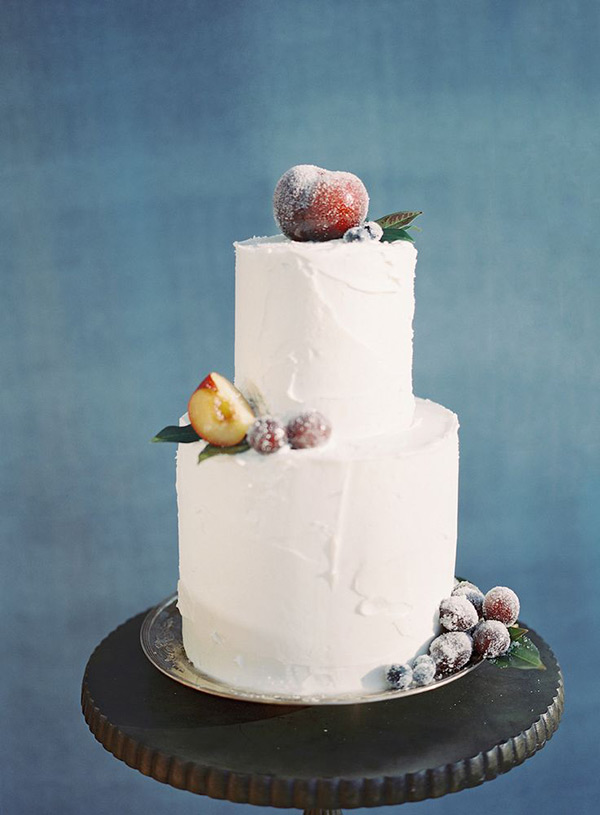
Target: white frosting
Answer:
pixel 327 326
pixel 307 571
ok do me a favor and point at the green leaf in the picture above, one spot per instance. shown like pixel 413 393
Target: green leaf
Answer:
pixel 516 633
pixel 522 654
pixel 391 234
pixel 398 220
pixel 212 450
pixel 183 435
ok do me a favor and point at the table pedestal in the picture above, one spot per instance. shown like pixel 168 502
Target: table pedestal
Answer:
pixel 322 812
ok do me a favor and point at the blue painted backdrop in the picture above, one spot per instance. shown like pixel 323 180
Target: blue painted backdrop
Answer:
pixel 138 139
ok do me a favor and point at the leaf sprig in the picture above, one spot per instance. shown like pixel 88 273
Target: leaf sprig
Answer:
pixel 186 435
pixel 396 224
pixel 212 450
pixel 179 435
pixel 522 653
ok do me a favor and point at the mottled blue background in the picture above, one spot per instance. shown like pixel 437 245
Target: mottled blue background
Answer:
pixel 138 139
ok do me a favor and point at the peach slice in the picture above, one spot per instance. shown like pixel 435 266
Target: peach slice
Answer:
pixel 218 412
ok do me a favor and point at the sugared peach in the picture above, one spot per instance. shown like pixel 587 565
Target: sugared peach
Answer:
pixel 313 204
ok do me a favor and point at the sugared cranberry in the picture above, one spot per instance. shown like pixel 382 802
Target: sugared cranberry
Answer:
pixel 501 603
pixel 369 231
pixel 451 651
pixel 491 638
pixel 399 677
pixel 309 429
pixel 473 594
pixel 313 204
pixel 424 669
pixel 267 435
pixel 458 613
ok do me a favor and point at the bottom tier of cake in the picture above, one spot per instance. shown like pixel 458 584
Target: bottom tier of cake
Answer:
pixel 308 571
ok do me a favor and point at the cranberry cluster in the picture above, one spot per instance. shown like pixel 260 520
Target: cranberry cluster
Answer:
pixel 308 429
pixel 473 623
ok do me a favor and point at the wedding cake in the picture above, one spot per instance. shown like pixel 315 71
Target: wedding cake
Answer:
pixel 307 571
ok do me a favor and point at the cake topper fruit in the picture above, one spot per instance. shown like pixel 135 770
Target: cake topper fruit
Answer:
pixel 313 204
pixel 218 412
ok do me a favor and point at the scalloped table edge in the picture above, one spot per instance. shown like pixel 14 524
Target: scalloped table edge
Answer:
pixel 324 793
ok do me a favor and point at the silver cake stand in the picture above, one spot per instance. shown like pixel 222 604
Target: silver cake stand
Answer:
pixel 161 641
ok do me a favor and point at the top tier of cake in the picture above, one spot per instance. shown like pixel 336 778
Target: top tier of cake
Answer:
pixel 327 326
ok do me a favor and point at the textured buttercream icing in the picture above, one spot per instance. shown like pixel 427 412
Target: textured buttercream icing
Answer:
pixel 307 572
pixel 328 326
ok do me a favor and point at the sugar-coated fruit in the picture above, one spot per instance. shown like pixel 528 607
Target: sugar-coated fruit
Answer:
pixel 399 677
pixel 457 613
pixel 471 592
pixel 309 429
pixel 451 651
pixel 424 669
pixel 501 603
pixel 313 204
pixel 491 638
pixel 369 231
pixel 267 435
pixel 218 411
pixel 422 658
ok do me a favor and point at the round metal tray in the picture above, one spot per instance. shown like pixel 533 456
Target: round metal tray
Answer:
pixel 161 641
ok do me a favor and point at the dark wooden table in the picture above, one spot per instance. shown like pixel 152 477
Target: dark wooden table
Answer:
pixel 318 757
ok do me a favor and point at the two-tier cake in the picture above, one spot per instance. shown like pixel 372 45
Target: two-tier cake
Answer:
pixel 307 571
